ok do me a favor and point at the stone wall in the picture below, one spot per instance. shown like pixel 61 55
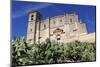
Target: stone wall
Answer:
pixel 63 28
pixel 91 38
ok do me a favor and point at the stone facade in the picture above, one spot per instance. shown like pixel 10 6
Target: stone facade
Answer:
pixel 59 28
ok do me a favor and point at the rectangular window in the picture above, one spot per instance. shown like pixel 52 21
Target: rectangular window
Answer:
pixel 44 26
pixel 61 20
pixel 58 38
pixel 71 20
pixel 31 30
pixel 30 39
pixel 54 22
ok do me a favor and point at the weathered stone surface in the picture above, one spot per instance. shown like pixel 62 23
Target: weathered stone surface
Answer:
pixel 63 28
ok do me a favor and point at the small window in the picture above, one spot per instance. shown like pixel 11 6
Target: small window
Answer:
pixel 54 22
pixel 40 37
pixel 32 17
pixel 61 20
pixel 51 34
pixel 70 20
pixel 58 38
pixel 44 26
pixel 31 30
pixel 58 34
pixel 30 39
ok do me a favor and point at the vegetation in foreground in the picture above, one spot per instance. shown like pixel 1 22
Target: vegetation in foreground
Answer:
pixel 51 52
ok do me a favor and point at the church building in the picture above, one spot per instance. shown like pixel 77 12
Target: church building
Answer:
pixel 62 28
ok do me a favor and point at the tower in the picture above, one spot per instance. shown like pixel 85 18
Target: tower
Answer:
pixel 33 26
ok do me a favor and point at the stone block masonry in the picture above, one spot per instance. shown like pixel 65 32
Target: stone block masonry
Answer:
pixel 63 28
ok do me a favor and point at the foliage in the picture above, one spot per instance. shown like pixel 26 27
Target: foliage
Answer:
pixel 51 52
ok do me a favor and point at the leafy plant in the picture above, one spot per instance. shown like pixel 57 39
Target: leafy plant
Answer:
pixel 51 52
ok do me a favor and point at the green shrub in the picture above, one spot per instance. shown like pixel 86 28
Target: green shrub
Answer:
pixel 51 52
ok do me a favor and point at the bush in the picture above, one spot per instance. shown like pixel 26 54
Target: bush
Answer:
pixel 51 52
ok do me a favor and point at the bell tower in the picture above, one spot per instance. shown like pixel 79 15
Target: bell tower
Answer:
pixel 33 22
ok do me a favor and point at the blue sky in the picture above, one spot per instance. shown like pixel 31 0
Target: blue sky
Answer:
pixel 21 9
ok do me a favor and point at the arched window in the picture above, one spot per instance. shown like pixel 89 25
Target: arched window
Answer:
pixel 32 17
